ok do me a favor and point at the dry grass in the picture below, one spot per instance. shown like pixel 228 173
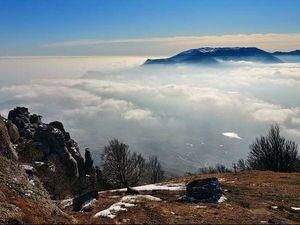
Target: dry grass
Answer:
pixel 251 196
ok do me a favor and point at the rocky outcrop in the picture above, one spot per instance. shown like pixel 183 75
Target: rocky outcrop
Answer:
pixel 6 148
pixel 50 138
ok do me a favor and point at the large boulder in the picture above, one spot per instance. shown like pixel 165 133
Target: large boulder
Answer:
pixel 6 148
pixel 13 131
pixel 20 116
pixel 204 190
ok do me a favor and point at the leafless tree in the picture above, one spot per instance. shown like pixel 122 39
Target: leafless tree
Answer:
pixel 121 168
pixel 155 171
pixel 273 152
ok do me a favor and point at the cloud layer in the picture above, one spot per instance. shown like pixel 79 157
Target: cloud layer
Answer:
pixel 188 116
pixel 172 45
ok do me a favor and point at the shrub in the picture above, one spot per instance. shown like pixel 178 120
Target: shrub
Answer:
pixel 273 152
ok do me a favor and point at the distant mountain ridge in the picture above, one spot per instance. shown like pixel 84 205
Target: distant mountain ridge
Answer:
pixel 209 55
pixel 291 53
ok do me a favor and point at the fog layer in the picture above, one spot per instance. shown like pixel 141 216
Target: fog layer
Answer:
pixel 186 115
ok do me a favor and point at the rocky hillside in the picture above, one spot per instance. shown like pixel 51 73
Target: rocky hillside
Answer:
pixel 23 199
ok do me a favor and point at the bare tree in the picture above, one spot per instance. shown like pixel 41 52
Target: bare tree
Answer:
pixel 121 168
pixel 273 152
pixel 155 171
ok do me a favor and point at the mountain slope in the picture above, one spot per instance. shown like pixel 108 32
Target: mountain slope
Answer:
pixel 213 55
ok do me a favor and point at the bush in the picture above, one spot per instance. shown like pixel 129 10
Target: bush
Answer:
pixel 218 168
pixel 273 152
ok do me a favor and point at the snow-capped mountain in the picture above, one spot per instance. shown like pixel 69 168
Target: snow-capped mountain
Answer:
pixel 214 55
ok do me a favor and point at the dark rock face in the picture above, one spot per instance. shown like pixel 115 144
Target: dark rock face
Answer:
pixel 80 200
pixel 206 190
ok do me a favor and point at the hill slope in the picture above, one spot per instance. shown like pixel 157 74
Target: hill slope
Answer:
pixel 252 197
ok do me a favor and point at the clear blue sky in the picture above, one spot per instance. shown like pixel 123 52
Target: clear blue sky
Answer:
pixel 27 24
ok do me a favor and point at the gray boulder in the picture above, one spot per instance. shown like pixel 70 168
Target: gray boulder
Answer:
pixel 6 148
pixel 13 131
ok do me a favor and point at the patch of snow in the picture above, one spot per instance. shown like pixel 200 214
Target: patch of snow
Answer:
pixel 89 203
pixel 26 167
pixel 230 182
pixel 66 203
pixel 274 207
pixel 150 187
pixel 112 211
pixel 222 199
pixel 295 208
pixel 52 168
pixel 206 50
pixel 123 204
pixel 231 135
pixel 28 193
pixel 37 163
pixel 200 206
pixel 32 182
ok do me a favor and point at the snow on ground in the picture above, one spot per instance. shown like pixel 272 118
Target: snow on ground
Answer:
pixel 295 208
pixel 26 167
pixel 150 187
pixel 66 203
pixel 222 199
pixel 123 204
pixel 89 203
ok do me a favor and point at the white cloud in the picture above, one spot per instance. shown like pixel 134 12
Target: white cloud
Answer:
pixel 138 114
pixel 268 41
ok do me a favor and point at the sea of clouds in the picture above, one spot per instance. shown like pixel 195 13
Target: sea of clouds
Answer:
pixel 189 116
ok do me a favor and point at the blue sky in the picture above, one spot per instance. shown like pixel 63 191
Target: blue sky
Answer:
pixel 27 26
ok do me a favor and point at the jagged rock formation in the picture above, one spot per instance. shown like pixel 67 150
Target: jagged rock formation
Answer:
pixel 50 138
pixel 50 149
